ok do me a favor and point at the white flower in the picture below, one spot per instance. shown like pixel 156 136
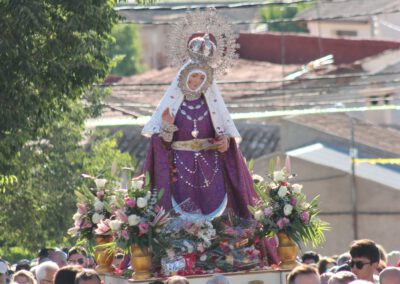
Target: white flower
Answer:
pixel 115 225
pixel 257 178
pixel 100 182
pixel 297 188
pixel 76 216
pixel 287 209
pixel 279 176
pixel 203 257
pixel 133 220
pixel 282 191
pixel 258 215
pixel 141 202
pixel 137 184
pixel 98 205
pixel 97 217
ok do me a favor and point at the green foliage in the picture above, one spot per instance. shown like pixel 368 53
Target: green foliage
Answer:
pixel 52 52
pixel 6 181
pixel 277 12
pixel 126 50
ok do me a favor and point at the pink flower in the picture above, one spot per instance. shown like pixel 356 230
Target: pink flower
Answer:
pixel 130 202
pixel 143 229
pixel 304 216
pixel 102 228
pixel 86 224
pixel 100 194
pixel 81 208
pixel 282 222
pixel 125 234
pixel 293 201
pixel 121 216
pixel 268 211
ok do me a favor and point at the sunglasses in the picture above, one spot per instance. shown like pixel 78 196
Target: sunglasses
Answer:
pixel 79 261
pixel 358 264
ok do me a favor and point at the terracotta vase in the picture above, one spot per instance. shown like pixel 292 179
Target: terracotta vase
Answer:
pixel 141 262
pixel 287 251
pixel 102 255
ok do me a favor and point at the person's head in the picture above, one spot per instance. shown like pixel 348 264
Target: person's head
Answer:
pixel 3 271
pixel 218 279
pixel 67 274
pixel 364 259
pixel 304 274
pixel 343 258
pixel 390 275
pixel 45 272
pixel 177 280
pixel 23 277
pixel 393 258
pixel 77 256
pixel 342 277
pixel 44 253
pixel 23 264
pixel 87 276
pixel 59 257
pixel 325 264
pixel 310 257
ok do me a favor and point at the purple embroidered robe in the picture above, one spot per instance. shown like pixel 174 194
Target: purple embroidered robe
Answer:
pixel 206 177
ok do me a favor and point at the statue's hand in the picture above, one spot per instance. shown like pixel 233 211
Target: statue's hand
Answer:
pixel 167 116
pixel 223 144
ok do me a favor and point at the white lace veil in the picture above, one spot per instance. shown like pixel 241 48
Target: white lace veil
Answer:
pixel 173 98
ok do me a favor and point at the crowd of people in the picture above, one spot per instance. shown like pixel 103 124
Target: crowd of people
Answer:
pixel 365 262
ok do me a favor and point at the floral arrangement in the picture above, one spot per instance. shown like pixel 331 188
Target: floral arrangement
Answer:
pixel 283 208
pixel 135 219
pixel 93 207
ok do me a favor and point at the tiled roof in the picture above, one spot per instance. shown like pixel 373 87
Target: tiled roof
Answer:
pixel 348 8
pixel 257 140
pixel 142 100
pixel 368 134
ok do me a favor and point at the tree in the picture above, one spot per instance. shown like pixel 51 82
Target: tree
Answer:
pixel 286 13
pixel 126 50
pixel 52 51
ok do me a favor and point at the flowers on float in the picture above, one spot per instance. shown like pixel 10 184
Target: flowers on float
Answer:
pixel 98 205
pixel 282 207
pixel 141 202
pixel 297 188
pixel 282 191
pixel 133 220
pixel 115 225
pixel 96 218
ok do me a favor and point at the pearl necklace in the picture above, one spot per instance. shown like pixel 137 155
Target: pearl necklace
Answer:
pixel 195 131
pixel 197 165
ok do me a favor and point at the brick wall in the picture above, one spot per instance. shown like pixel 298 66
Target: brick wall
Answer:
pixel 300 49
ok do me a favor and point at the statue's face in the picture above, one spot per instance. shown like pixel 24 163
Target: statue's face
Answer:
pixel 195 80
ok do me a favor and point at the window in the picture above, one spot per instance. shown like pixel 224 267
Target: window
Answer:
pixel 346 33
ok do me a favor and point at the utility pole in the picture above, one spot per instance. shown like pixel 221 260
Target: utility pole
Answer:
pixel 353 186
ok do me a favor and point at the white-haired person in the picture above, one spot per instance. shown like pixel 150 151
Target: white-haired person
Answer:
pixel 390 275
pixel 218 279
pixel 45 272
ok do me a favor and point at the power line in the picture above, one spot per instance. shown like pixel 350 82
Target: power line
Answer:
pixel 299 80
pixel 219 6
pixel 392 11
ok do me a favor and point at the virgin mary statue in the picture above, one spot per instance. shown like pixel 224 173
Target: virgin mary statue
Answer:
pixel 193 153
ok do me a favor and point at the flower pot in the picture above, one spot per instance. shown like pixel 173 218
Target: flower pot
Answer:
pixel 141 262
pixel 287 251
pixel 102 255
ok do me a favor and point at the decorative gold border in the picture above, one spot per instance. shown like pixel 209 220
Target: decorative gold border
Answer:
pixel 182 79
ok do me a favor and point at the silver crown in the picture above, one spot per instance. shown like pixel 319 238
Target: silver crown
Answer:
pixel 216 46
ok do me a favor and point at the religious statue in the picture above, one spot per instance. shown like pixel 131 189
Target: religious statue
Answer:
pixel 193 152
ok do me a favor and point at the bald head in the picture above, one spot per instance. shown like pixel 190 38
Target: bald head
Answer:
pixel 390 275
